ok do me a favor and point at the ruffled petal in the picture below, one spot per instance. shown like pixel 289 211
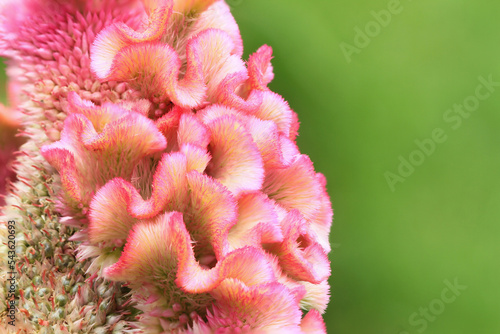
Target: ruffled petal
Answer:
pixel 112 39
pixel 257 222
pixel 313 323
pixel 192 131
pixel 211 213
pixel 236 161
pixel 264 308
pixel 98 147
pixel 118 205
pixel 154 67
pixel 295 187
pixel 153 250
pixel 260 69
pixel 300 256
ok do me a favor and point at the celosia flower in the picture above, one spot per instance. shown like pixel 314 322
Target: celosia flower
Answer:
pixel 185 204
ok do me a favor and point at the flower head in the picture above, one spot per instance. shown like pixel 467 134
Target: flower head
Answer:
pixel 176 164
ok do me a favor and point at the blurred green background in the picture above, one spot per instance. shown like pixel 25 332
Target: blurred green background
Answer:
pixel 395 248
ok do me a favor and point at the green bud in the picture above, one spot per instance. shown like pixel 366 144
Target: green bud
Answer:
pixel 61 300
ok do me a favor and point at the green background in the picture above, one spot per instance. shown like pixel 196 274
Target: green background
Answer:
pixel 394 249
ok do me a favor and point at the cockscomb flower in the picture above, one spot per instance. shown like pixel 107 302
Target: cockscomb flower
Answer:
pixel 160 189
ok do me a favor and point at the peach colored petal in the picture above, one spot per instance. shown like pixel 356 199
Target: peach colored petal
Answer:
pixel 218 16
pixel 265 134
pixel 316 296
pixel 192 131
pixel 276 109
pixel 98 147
pixel 313 323
pixel 115 37
pixel 257 222
pixel 210 215
pixel 263 308
pixel 118 205
pixel 152 250
pixel 295 187
pixel 299 254
pixel 197 157
pixel 228 93
pixel 236 160
pixel 168 125
pixel 248 265
pixel 260 69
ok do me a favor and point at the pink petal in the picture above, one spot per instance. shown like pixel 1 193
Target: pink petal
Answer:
pixel 112 39
pixel 260 69
pixel 218 16
pixel 96 146
pixel 118 205
pixel 264 308
pixel 257 222
pixel 197 157
pixel 295 187
pixel 313 323
pixel 192 131
pixel 236 160
pixel 211 213
pixel 247 265
pixel 168 125
pixel 299 254
pixel 265 134
pixel 228 95
pixel 276 109
pixel 152 250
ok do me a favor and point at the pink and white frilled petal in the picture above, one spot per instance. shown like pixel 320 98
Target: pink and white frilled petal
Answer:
pixel 114 38
pixel 212 211
pixel 168 125
pixel 197 158
pixel 218 16
pixel 192 131
pixel 153 250
pixel 260 70
pixel 299 254
pixel 321 223
pixel 264 133
pixel 154 67
pixel 316 296
pixel 229 93
pixel 248 265
pixel 87 159
pixel 236 160
pixel 276 109
pixel 263 308
pixel 295 187
pixel 158 247
pixel 313 323
pixel 257 222
pixel 109 220
pixel 118 205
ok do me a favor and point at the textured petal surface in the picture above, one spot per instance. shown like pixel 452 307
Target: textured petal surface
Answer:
pixel 236 160
pixel 97 147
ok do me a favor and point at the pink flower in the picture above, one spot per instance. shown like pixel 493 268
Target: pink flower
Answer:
pixel 179 168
